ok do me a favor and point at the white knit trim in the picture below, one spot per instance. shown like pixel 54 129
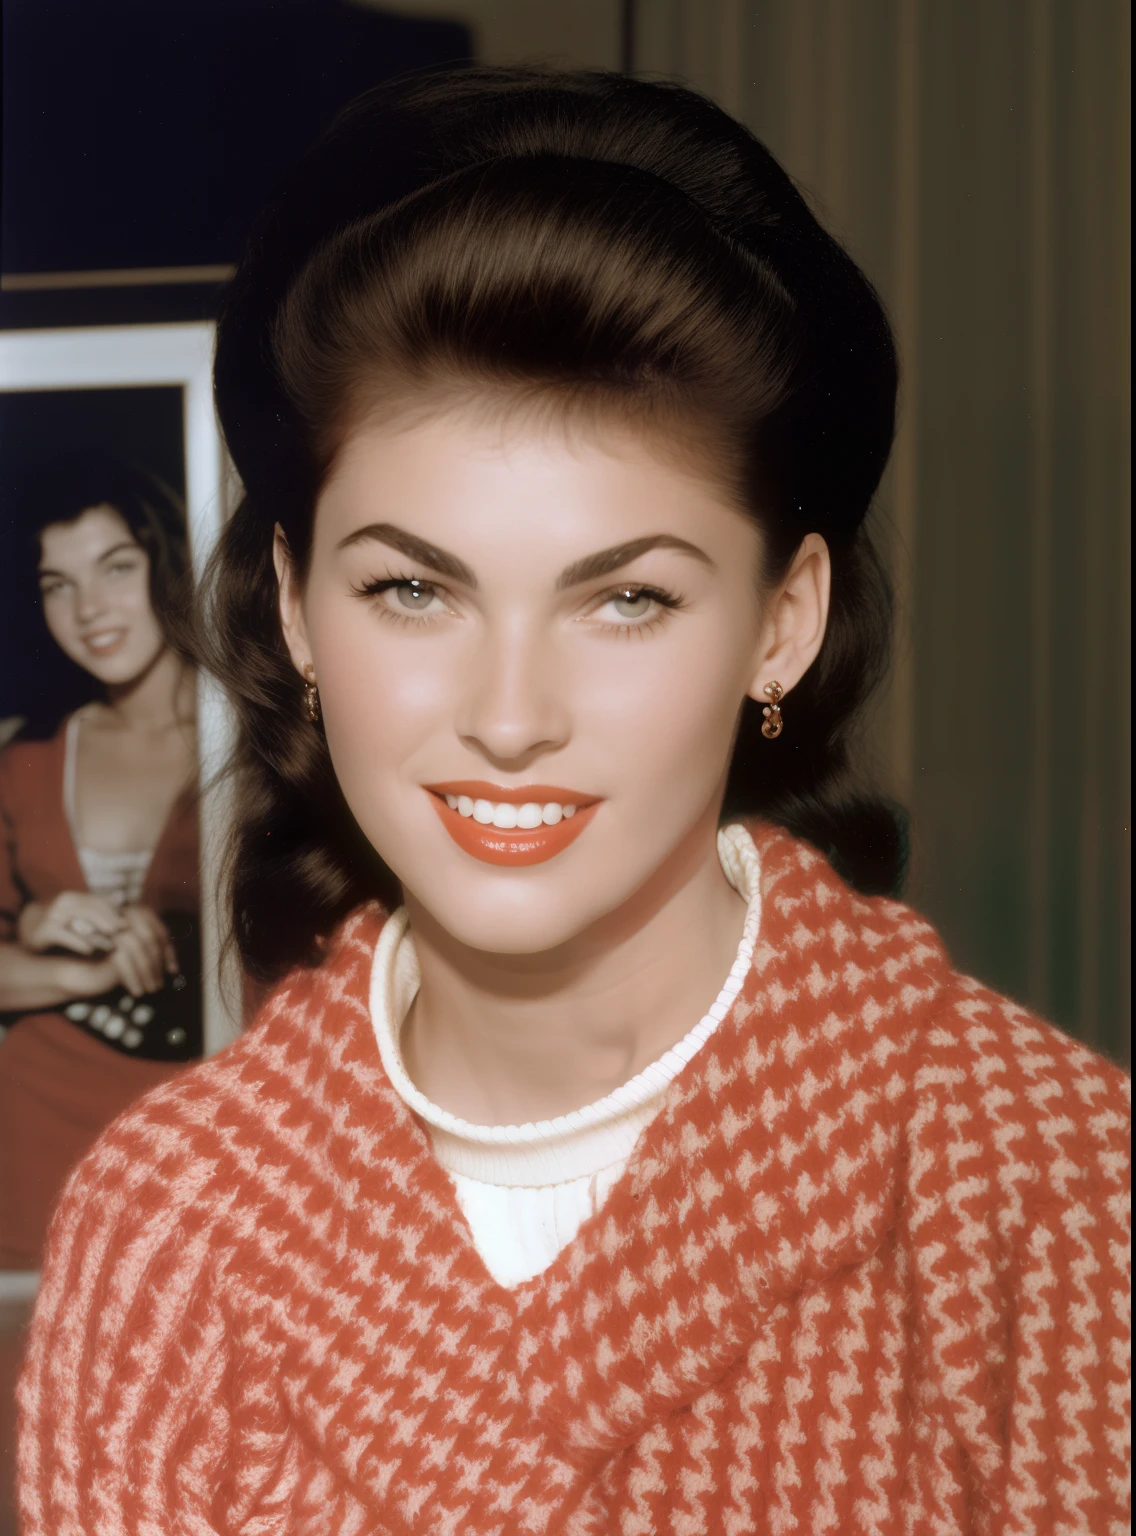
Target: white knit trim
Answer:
pixel 617 1117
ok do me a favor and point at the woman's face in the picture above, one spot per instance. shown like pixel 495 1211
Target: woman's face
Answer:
pixel 506 623
pixel 95 584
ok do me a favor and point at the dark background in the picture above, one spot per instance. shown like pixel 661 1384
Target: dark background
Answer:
pixel 146 133
pixel 142 135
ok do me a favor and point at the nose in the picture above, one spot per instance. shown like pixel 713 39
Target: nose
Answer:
pixel 89 603
pixel 513 711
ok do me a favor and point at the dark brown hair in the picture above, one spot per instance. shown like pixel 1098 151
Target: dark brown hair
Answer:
pixel 42 494
pixel 38 494
pixel 584 241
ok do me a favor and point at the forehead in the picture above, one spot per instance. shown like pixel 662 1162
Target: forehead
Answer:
pixel 555 484
pixel 84 539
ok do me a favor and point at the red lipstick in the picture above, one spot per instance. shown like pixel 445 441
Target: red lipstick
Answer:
pixel 513 847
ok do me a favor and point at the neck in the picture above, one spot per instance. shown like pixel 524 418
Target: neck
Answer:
pixel 158 699
pixel 505 1039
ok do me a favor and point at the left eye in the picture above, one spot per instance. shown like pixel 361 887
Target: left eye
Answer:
pixel 413 595
pixel 631 603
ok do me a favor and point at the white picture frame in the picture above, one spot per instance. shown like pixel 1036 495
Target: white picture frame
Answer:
pixel 129 356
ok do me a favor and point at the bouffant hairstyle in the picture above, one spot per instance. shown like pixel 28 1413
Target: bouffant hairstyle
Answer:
pixel 588 242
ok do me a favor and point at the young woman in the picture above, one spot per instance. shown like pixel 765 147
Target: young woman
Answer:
pixel 98 844
pixel 613 1154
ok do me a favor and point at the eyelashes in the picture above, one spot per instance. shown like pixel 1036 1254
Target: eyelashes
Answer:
pixel 631 593
pixel 408 600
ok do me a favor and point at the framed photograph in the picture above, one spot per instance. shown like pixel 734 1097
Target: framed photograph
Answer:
pixel 142 395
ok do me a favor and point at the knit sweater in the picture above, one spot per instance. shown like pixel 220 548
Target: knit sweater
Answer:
pixel 866 1271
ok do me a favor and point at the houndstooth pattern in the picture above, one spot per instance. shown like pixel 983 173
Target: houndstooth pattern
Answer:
pixel 867 1271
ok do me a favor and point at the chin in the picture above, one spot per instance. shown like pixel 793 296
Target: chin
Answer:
pixel 121 671
pixel 525 912
pixel 516 925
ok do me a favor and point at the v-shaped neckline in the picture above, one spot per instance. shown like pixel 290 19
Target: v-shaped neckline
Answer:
pixel 774 1163
pixel 68 762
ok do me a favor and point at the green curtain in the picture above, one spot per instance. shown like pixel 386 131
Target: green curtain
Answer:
pixel 974 155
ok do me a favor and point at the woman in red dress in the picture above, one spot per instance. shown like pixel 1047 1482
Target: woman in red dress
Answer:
pixel 99 964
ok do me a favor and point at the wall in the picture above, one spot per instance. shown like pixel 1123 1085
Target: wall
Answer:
pixel 975 157
pixel 505 31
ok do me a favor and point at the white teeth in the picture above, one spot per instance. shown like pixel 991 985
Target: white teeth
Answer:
pixel 506 815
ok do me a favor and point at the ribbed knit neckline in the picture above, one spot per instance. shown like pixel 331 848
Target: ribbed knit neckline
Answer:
pixel 588 1139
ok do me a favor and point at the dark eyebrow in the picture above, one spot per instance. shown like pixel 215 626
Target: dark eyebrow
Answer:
pixel 47 570
pixel 414 549
pixel 604 561
pixel 115 548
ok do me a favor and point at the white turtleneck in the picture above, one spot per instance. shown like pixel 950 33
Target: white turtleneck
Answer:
pixel 526 1189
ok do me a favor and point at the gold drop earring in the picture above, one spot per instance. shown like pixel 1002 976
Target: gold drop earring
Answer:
pixel 311 695
pixel 773 725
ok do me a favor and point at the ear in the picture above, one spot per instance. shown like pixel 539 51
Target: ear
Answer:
pixel 795 620
pixel 291 606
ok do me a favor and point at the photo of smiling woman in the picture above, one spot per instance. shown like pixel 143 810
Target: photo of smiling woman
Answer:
pixel 613 1151
pixel 99 969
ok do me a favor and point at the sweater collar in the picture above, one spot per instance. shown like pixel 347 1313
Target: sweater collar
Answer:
pixel 774 1162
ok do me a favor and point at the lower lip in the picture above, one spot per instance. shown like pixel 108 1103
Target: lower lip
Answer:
pixel 514 849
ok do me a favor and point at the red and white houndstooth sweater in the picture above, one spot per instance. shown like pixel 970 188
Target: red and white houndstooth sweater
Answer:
pixel 865 1272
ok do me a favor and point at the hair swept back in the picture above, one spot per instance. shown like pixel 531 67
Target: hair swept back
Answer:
pixel 594 242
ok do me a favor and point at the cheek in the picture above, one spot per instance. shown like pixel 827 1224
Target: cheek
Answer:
pixel 133 597
pixel 59 616
pixel 381 693
pixel 670 704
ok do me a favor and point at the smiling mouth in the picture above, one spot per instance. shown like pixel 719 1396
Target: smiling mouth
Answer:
pixel 513 827
pixel 103 641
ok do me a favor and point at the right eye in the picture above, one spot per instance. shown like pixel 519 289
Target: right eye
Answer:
pixel 414 596
pixel 407 597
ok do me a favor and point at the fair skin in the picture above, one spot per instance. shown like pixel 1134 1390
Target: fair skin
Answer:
pixel 136 752
pixel 511 663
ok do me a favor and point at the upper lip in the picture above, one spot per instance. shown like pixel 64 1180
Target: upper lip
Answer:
pixel 522 794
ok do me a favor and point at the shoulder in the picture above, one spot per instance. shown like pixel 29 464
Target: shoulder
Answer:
pixel 151 1218
pixel 191 1142
pixel 985 1083
pixel 26 763
pixel 1022 1103
pixel 878 954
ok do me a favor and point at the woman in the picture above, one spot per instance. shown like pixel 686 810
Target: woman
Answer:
pixel 99 975
pixel 590 1168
